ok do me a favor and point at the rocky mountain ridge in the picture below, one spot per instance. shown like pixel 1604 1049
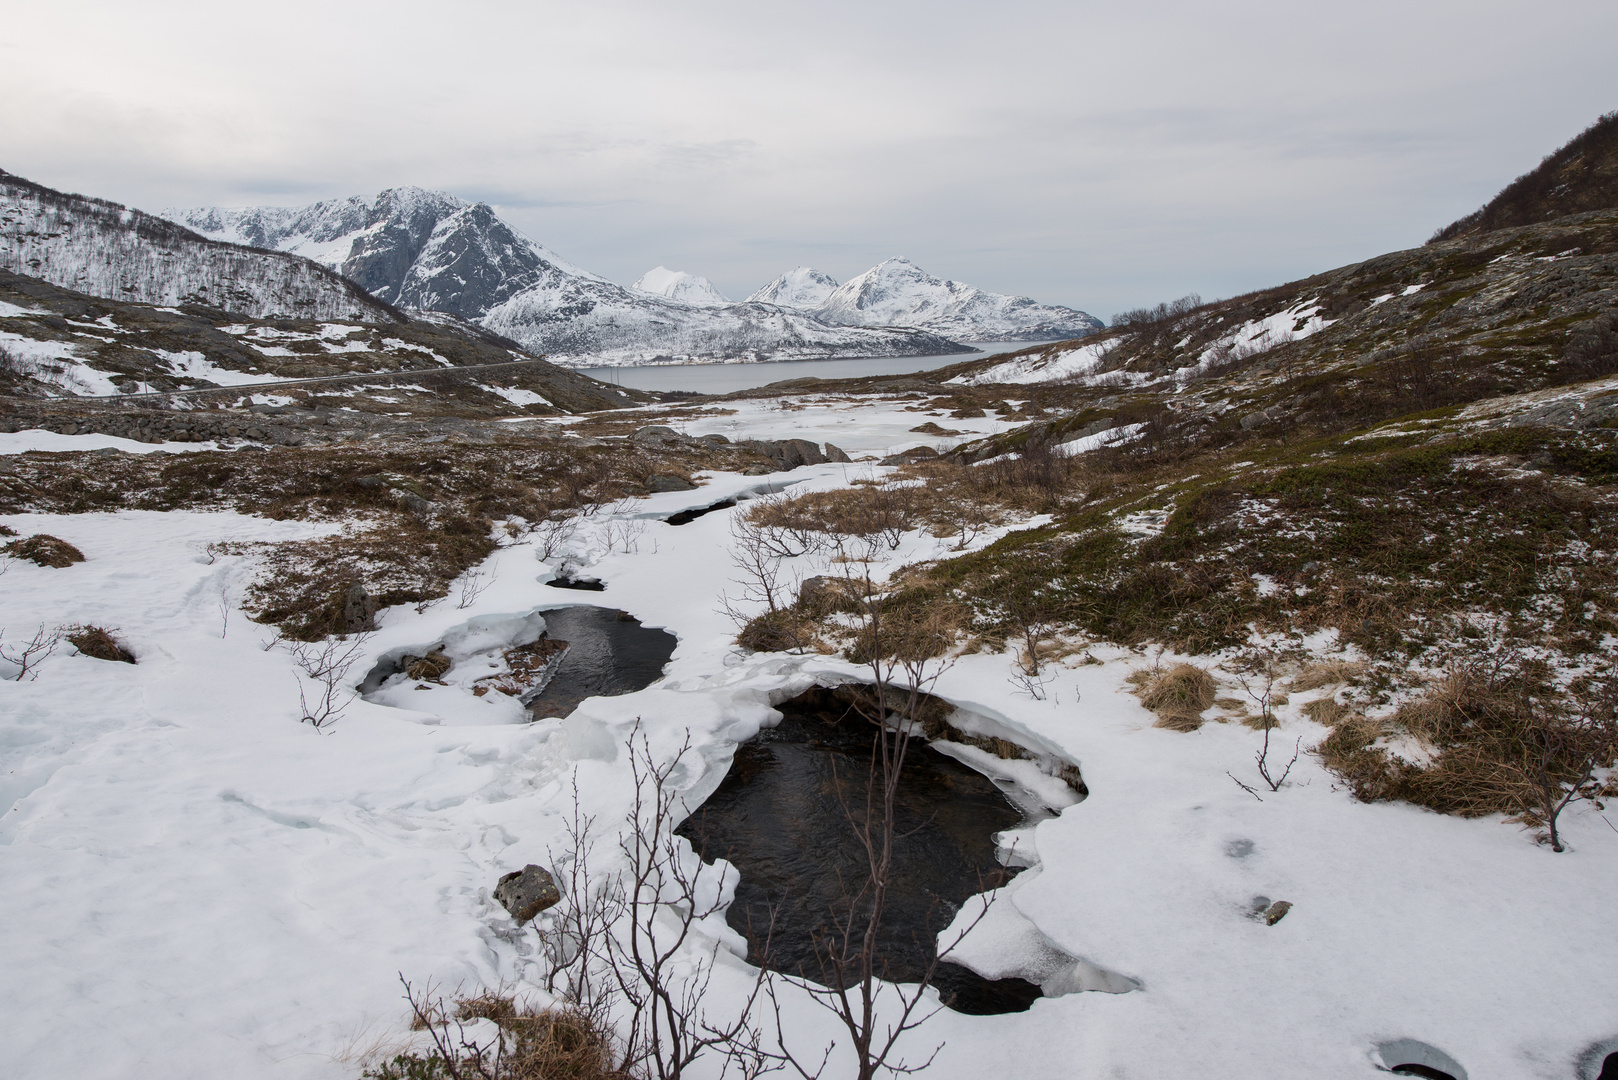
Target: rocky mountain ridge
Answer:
pixel 104 249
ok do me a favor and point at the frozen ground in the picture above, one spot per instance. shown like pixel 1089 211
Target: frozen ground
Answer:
pixel 194 884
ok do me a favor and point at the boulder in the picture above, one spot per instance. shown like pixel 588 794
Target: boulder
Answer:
pixel 1276 912
pixel 668 482
pixel 526 892
pixel 914 454
pixel 714 440
pixel 834 454
pixel 657 435
pixel 358 610
pixel 788 453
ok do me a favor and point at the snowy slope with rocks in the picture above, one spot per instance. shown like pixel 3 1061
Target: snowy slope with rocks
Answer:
pixel 107 250
pixel 801 287
pixel 432 251
pixel 681 286
pixel 897 292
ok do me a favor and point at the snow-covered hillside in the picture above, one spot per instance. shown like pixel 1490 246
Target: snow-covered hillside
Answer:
pixel 432 251
pixel 897 292
pixel 801 287
pixel 107 250
pixel 681 286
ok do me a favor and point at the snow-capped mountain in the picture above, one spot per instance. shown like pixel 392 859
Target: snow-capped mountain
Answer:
pixel 897 292
pixel 681 286
pixel 802 287
pixel 432 251
pixel 107 250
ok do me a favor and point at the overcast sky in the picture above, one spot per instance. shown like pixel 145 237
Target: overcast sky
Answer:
pixel 1097 155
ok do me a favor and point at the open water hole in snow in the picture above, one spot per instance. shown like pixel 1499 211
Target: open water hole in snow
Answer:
pixel 608 653
pixel 779 817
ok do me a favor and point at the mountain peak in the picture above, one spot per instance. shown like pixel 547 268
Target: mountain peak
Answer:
pixel 679 285
pixel 801 287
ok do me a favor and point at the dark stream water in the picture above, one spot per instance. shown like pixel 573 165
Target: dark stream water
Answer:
pixel 609 653
pixel 779 817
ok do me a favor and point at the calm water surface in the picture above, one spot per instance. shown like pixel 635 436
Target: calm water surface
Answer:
pixel 723 378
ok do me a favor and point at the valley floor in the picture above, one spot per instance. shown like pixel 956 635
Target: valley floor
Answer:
pixel 195 884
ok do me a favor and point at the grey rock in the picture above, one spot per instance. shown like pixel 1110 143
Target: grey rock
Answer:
pixel 788 453
pixel 836 454
pixel 655 435
pixel 1253 420
pixel 668 482
pixel 714 440
pixel 526 892
pixel 359 610
pixel 906 457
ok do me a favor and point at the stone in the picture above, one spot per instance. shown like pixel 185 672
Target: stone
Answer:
pixel 1276 912
pixel 358 610
pixel 757 470
pixel 714 440
pixel 835 454
pixel 1253 420
pixel 526 892
pixel 915 453
pixel 655 435
pixel 668 482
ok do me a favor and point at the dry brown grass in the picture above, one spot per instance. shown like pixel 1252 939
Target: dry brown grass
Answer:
pixel 1179 696
pixel 98 642
pixel 45 550
pixel 1327 673
pixel 533 1044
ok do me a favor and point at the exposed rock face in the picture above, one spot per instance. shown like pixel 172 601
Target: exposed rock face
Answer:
pixel 527 892
pixel 668 482
pixel 835 454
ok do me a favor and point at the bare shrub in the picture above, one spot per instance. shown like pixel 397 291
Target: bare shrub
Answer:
pixel 904 653
pixel 1179 696
pixel 326 663
pixel 28 654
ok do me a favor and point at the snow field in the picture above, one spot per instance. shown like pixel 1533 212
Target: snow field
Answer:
pixel 196 884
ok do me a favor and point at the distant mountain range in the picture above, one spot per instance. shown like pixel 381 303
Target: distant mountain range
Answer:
pixel 431 250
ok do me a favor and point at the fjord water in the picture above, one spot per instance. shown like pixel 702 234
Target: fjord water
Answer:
pixel 724 378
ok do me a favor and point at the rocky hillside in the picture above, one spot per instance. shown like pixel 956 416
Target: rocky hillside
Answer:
pixel 1581 176
pixel 103 249
pixel 431 251
pixel 56 342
